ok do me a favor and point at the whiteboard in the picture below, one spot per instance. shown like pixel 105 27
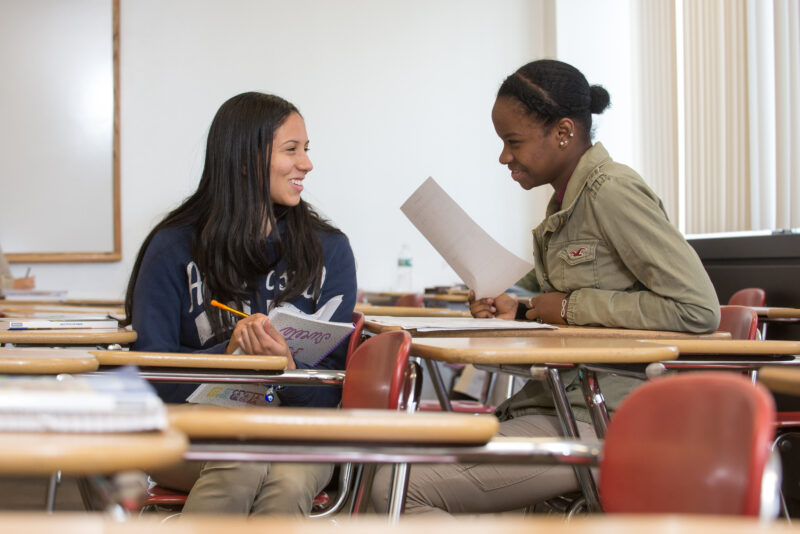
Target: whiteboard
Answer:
pixel 57 139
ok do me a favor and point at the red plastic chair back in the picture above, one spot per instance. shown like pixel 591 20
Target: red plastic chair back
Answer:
pixel 751 296
pixel 694 443
pixel 355 336
pixel 377 373
pixel 740 321
pixel 413 300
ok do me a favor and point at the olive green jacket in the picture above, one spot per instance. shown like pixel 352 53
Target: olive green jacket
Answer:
pixel 613 249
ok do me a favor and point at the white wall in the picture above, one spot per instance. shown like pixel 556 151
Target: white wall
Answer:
pixel 392 91
pixel 596 37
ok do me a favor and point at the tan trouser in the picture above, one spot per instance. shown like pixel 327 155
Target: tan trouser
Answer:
pixel 485 488
pixel 248 487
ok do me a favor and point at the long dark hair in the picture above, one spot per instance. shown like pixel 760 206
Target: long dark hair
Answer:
pixel 551 90
pixel 229 210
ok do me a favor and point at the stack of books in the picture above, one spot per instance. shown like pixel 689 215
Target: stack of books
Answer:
pixel 117 401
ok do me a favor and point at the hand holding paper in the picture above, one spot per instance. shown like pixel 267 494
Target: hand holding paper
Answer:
pixel 481 262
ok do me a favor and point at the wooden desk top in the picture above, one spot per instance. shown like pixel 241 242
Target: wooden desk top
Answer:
pixel 778 313
pixel 329 425
pixel 74 523
pixel 408 311
pixel 191 360
pixel 89 336
pixel 733 346
pixel 780 379
pixel 46 361
pixel 562 331
pixel 77 454
pixel 446 297
pixel 537 350
pixel 33 310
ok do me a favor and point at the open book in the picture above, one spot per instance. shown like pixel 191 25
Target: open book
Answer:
pixel 117 401
pixel 310 337
pixel 58 321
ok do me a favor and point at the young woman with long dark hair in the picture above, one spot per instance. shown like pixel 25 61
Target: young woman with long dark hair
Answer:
pixel 245 238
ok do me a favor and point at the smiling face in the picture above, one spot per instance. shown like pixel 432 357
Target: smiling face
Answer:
pixel 530 150
pixel 289 163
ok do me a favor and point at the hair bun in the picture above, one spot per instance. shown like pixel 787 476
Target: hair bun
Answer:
pixel 600 99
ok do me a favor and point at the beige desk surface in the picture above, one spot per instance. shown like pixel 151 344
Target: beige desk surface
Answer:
pixel 38 310
pixel 408 311
pixel 329 425
pixel 778 313
pixel 89 336
pixel 531 350
pixel 96 523
pixel 733 346
pixel 76 454
pixel 780 379
pixel 18 360
pixel 562 331
pixel 191 360
pixel 446 297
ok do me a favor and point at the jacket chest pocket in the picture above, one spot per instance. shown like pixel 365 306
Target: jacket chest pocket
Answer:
pixel 577 262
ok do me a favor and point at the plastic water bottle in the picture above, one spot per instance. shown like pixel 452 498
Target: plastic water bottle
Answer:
pixel 404 280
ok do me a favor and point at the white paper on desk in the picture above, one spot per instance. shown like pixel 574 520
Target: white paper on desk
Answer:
pixel 481 262
pixel 431 324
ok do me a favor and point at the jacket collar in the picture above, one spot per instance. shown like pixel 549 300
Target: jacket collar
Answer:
pixel 588 167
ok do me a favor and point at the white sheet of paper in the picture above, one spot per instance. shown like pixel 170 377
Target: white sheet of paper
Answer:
pixel 430 324
pixel 481 262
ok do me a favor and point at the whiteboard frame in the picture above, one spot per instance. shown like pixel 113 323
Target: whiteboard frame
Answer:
pixel 95 256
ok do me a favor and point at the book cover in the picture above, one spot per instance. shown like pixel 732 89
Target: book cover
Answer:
pixel 58 322
pixel 117 401
pixel 310 337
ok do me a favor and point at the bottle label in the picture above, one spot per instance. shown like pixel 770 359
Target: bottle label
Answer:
pixel 404 262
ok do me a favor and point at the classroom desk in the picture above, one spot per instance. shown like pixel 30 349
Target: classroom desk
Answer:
pixel 39 310
pixel 364 436
pixel 562 331
pixel 447 297
pixel 71 523
pixel 57 337
pixel 768 315
pixel 781 379
pixel 540 354
pixel 44 453
pixel 46 361
pixel 217 368
pixel 408 311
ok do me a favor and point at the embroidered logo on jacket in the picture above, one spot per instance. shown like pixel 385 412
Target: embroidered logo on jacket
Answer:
pixel 577 253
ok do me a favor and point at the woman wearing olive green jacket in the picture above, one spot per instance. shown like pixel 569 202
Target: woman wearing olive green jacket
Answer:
pixel 606 254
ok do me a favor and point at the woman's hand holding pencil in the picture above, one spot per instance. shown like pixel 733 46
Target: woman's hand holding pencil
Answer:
pixel 254 334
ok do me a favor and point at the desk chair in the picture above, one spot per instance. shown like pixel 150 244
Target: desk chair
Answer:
pixel 740 321
pixel 356 336
pixel 413 300
pixel 379 376
pixel 751 296
pixel 695 443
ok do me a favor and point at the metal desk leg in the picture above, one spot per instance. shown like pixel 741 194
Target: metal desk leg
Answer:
pixel 438 385
pixel 570 428
pixel 594 400
pixel 397 499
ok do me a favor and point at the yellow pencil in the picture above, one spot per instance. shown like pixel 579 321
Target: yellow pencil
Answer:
pixel 228 308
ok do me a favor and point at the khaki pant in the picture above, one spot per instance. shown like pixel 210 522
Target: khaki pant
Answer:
pixel 485 488
pixel 248 487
